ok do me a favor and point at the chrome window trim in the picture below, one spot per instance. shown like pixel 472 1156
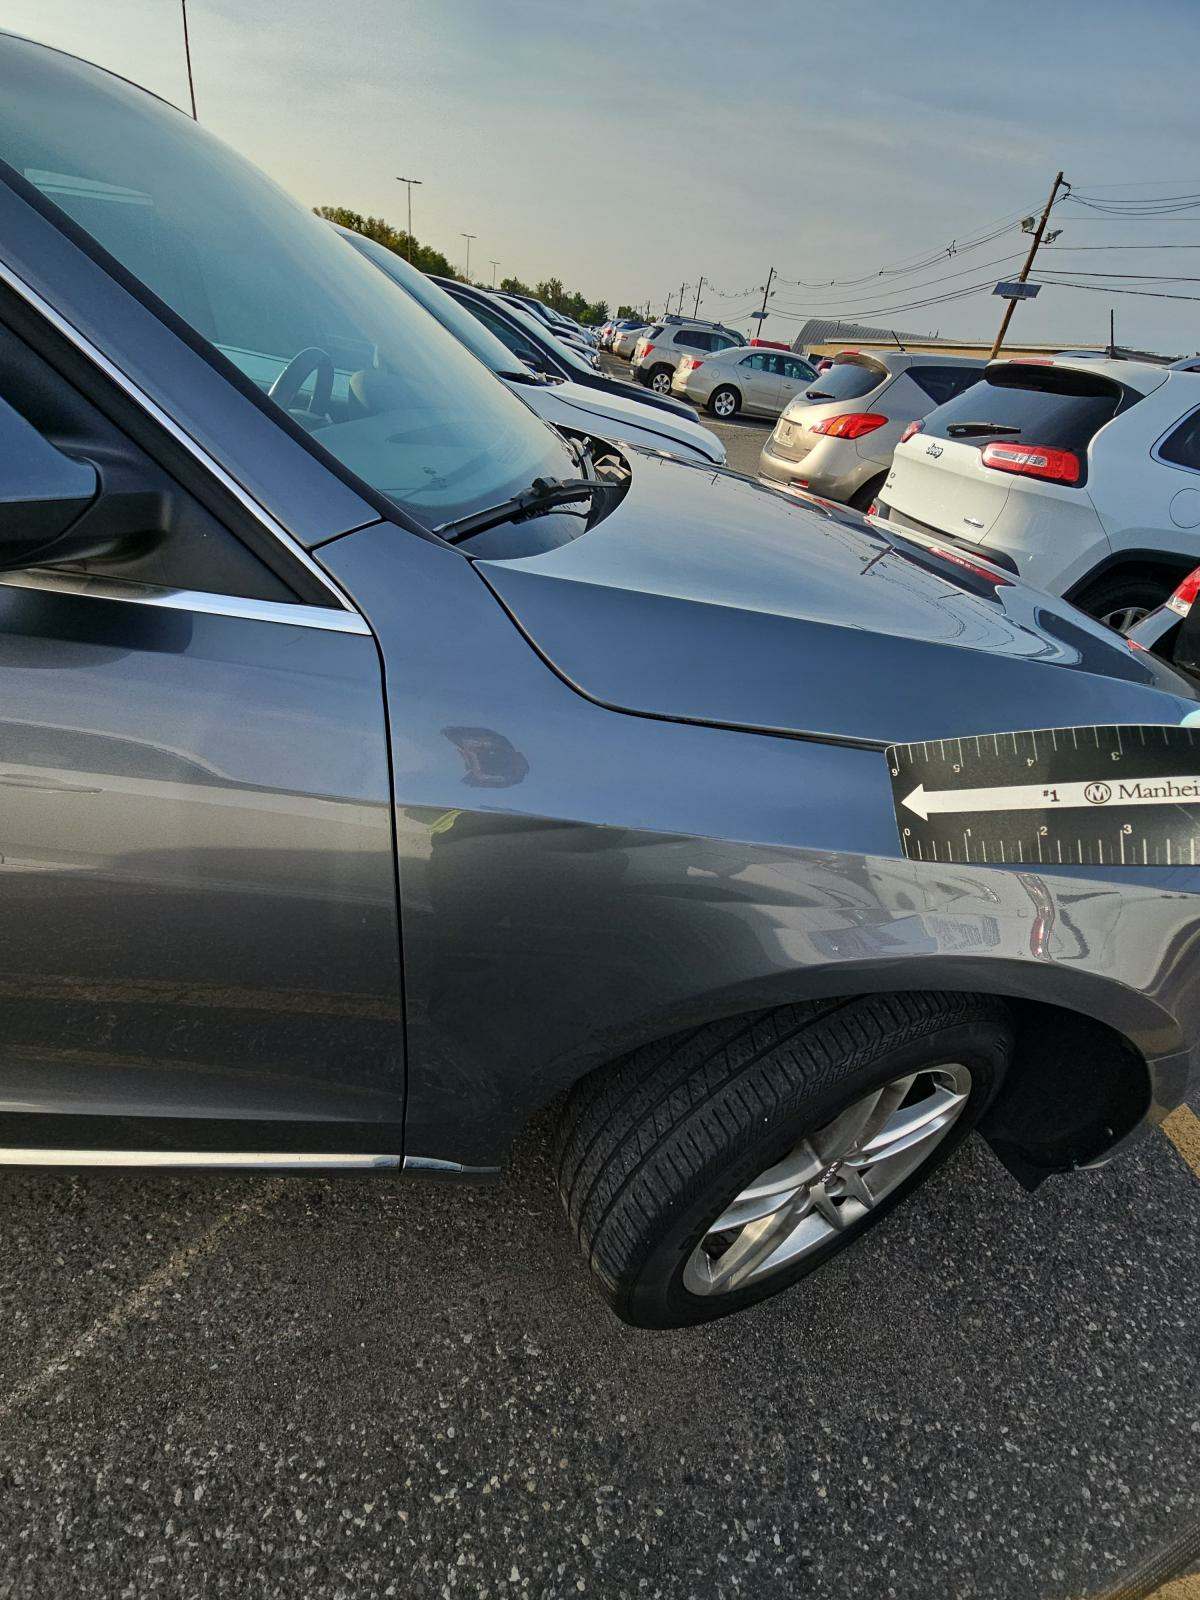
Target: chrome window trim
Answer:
pixel 164 420
pixel 1156 448
pixel 91 586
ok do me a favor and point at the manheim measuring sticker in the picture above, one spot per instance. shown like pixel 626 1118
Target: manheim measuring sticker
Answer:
pixel 1054 796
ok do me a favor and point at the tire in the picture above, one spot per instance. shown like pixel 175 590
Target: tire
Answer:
pixel 1120 602
pixel 654 1149
pixel 863 499
pixel 660 379
pixel 725 402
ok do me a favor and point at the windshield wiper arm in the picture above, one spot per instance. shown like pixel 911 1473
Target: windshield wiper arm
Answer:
pixel 977 430
pixel 543 495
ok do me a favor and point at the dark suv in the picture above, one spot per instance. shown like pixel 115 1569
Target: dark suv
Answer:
pixel 381 766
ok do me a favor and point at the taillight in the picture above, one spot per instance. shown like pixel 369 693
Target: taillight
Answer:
pixel 850 425
pixel 1033 461
pixel 917 425
pixel 690 363
pixel 645 348
pixel 1181 601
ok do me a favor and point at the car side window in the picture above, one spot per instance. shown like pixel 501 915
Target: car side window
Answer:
pixel 692 338
pixel 721 341
pixel 183 545
pixel 757 363
pixel 798 371
pixel 506 334
pixel 1182 448
pixel 943 383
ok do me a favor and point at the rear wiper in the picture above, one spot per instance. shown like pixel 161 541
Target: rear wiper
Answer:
pixel 818 394
pixel 977 430
pixel 543 495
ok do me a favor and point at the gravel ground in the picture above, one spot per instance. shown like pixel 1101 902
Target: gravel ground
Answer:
pixel 362 1387
pixel 348 1388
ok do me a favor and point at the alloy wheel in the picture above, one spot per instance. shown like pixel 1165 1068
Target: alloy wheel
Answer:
pixel 830 1180
pixel 723 405
pixel 661 382
pixel 1125 617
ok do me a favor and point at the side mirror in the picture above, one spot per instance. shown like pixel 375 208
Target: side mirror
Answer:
pixel 60 507
pixel 43 492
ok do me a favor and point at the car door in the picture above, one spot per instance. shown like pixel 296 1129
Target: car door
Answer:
pixel 760 384
pixel 198 918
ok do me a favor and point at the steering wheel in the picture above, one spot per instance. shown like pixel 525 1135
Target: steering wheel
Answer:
pixel 288 384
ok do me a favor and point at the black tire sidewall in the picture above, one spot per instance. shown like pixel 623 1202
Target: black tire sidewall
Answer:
pixel 657 1297
pixel 1119 593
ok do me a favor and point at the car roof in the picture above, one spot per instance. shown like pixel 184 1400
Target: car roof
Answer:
pixel 1143 376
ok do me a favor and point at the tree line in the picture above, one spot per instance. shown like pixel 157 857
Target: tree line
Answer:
pixel 552 290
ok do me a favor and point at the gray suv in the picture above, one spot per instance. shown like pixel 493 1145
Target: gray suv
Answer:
pixel 837 436
pixel 662 346
pixel 379 771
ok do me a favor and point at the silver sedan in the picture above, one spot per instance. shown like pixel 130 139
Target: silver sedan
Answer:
pixel 756 381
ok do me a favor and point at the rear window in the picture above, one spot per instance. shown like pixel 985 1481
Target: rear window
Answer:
pixel 1054 406
pixel 943 383
pixel 847 380
pixel 653 333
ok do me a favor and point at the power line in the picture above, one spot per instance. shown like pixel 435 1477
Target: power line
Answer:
pixel 1102 288
pixel 964 272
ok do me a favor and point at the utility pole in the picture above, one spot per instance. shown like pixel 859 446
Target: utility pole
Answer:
pixel 187 51
pixel 1112 333
pixel 699 286
pixel 766 293
pixel 468 237
pixel 1025 270
pixel 409 182
pixel 682 287
pixel 495 264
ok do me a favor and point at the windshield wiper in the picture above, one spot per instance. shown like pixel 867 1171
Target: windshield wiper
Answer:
pixel 977 430
pixel 543 495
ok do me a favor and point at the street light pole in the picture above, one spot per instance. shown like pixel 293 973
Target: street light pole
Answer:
pixel 468 237
pixel 495 264
pixel 187 51
pixel 410 182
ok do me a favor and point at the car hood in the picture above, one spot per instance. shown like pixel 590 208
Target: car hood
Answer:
pixel 574 405
pixel 706 597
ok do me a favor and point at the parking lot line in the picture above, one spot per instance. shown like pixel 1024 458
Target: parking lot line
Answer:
pixel 139 1301
pixel 1182 1127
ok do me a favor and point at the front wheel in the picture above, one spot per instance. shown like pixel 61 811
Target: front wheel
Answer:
pixel 706 1173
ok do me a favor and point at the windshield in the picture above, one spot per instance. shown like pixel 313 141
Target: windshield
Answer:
pixel 378 382
pixel 466 329
pixel 539 331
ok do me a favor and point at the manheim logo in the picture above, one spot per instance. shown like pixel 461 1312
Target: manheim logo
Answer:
pixel 1098 794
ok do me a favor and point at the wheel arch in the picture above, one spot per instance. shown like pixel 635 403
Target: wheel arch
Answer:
pixel 1134 564
pixel 1093 1062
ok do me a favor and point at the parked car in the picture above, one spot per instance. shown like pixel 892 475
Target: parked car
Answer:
pixel 560 326
pixel 617 327
pixel 1172 630
pixel 758 382
pixel 532 341
pixel 837 436
pixel 576 410
pixel 376 774
pixel 626 338
pixel 661 347
pixel 1079 474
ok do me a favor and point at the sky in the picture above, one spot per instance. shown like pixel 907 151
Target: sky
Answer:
pixel 630 146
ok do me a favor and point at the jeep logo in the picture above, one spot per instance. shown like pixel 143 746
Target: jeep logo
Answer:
pixel 934 450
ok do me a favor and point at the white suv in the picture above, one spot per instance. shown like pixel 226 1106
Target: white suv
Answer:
pixel 663 346
pixel 1083 476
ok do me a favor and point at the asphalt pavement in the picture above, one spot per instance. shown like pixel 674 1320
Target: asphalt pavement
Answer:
pixel 361 1387
pixel 354 1387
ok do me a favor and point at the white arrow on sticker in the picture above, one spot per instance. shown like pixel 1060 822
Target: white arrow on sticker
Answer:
pixel 1096 794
